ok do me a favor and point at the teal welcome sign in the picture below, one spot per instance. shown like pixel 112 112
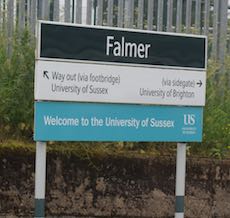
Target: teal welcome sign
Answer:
pixel 59 121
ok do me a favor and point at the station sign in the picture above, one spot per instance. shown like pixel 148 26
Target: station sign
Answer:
pixel 114 45
pixel 63 121
pixel 86 82
pixel 111 84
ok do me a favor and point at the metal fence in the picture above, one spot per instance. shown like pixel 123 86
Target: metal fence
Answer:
pixel 207 17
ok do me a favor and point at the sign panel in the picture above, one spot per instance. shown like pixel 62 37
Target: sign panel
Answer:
pixel 89 43
pixel 59 121
pixel 86 82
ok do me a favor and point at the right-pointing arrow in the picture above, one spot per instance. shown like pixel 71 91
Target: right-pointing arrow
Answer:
pixel 45 74
pixel 199 83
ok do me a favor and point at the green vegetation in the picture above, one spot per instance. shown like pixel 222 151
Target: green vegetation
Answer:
pixel 216 137
pixel 16 110
pixel 16 87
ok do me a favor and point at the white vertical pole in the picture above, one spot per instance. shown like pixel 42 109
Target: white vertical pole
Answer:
pixel 40 179
pixel 180 179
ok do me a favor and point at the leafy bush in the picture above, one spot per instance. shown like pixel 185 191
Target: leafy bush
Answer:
pixel 16 86
pixel 216 131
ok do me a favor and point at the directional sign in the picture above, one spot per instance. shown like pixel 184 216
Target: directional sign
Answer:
pixel 61 81
pixel 88 43
pixel 131 68
pixel 63 121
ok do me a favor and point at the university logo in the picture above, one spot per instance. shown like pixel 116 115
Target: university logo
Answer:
pixel 189 119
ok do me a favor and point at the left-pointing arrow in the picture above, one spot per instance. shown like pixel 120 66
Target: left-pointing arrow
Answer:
pixel 45 74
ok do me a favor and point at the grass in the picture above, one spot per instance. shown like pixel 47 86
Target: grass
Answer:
pixel 90 150
pixel 87 149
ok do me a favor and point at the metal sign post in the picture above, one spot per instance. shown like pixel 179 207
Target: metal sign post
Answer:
pixel 180 179
pixel 40 179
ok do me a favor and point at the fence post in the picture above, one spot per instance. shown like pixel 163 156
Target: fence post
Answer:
pixel 67 11
pixel 215 29
pixel 198 16
pixel 160 12
pixel 99 19
pixel 39 8
pixel 128 13
pixel 179 16
pixel 223 30
pixel 1 17
pixel 79 11
pixel 89 12
pixel 10 26
pixel 45 10
pixel 206 17
pixel 4 17
pixel 56 10
pixel 28 13
pixel 33 16
pixel 140 14
pixel 120 15
pixel 110 13
pixel 150 14
pixel 169 15
pixel 21 15
pixel 188 15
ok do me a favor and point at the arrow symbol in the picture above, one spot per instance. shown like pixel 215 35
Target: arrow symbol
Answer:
pixel 45 74
pixel 199 83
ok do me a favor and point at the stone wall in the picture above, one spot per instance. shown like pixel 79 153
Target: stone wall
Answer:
pixel 113 186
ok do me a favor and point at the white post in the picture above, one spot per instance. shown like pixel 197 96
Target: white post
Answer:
pixel 180 179
pixel 40 179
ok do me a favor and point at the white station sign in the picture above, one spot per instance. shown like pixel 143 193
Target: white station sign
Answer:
pixel 90 82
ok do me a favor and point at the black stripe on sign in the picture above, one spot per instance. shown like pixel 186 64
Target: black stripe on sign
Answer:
pixel 85 43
